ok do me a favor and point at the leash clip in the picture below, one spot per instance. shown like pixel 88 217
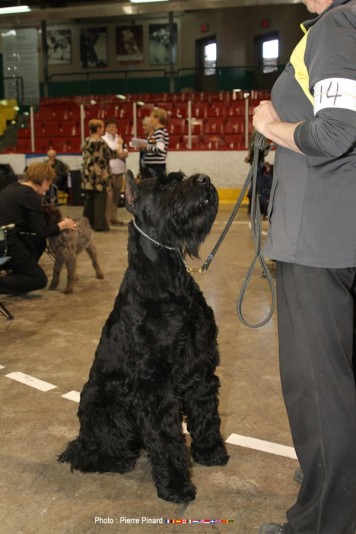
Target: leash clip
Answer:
pixel 194 269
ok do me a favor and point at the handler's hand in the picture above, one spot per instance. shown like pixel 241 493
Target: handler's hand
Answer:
pixel 263 115
pixel 67 224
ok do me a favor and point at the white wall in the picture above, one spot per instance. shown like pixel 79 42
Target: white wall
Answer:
pixel 226 168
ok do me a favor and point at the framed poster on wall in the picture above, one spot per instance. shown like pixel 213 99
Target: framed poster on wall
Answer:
pixel 59 47
pixel 129 44
pixel 20 59
pixel 159 39
pixel 93 47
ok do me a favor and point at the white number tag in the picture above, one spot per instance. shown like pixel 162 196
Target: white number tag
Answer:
pixel 335 93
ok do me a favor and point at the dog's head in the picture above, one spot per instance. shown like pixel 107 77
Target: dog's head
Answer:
pixel 175 210
pixel 51 214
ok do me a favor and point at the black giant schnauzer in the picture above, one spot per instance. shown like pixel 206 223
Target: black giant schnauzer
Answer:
pixel 156 358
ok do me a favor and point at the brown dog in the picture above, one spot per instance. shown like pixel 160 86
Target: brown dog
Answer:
pixel 67 245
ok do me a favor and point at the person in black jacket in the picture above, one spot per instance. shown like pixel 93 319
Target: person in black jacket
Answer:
pixel 60 168
pixel 21 206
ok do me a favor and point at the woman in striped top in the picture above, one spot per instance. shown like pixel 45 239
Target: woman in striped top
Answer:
pixel 155 152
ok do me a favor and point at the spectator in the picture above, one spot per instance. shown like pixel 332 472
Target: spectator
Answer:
pixel 264 185
pixel 60 168
pixel 96 175
pixel 155 151
pixel 148 131
pixel 117 167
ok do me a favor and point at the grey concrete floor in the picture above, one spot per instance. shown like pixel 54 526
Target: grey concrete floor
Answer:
pixel 53 338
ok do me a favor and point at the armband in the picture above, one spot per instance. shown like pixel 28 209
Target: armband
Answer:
pixel 339 93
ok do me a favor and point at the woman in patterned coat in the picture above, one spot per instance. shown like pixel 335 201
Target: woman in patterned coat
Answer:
pixel 96 175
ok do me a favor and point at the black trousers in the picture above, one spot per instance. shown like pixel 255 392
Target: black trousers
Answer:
pixel 26 275
pixel 95 209
pixel 316 324
pixel 150 171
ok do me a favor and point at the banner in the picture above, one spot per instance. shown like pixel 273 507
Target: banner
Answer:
pixel 20 59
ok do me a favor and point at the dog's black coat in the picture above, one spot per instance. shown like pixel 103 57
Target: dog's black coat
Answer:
pixel 157 355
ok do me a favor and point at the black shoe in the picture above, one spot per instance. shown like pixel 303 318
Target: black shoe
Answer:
pixel 298 475
pixel 274 528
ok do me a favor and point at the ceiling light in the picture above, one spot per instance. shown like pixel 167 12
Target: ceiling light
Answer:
pixel 146 1
pixel 15 9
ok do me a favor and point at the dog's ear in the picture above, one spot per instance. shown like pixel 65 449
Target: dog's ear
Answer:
pixel 165 180
pixel 131 191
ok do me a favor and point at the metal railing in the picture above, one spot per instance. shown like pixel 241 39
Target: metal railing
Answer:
pixel 157 80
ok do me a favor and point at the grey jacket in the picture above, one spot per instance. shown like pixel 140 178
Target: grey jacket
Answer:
pixel 313 200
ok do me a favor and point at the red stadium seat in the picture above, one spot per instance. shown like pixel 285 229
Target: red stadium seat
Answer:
pixel 235 125
pixel 234 141
pixel 175 142
pixel 217 109
pixel 214 125
pixel 177 126
pixel 199 110
pixel 236 108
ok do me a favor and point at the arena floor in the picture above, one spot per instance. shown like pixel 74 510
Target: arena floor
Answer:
pixel 46 354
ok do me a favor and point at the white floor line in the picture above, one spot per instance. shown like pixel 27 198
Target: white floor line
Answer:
pixel 72 395
pixel 257 444
pixel 2 366
pixel 260 445
pixel 31 381
pixel 233 439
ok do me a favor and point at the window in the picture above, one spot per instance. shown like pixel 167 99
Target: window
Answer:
pixel 270 53
pixel 210 59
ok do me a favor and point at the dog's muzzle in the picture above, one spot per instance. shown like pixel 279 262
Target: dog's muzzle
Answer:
pixel 204 181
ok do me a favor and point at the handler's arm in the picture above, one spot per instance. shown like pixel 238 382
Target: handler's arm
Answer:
pixel 267 122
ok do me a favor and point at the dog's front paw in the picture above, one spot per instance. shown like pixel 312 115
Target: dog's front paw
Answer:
pixel 174 493
pixel 214 456
pixel 52 287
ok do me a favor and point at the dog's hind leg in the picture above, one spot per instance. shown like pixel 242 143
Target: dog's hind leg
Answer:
pixel 108 440
pixel 203 422
pixel 91 250
pixel 161 427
